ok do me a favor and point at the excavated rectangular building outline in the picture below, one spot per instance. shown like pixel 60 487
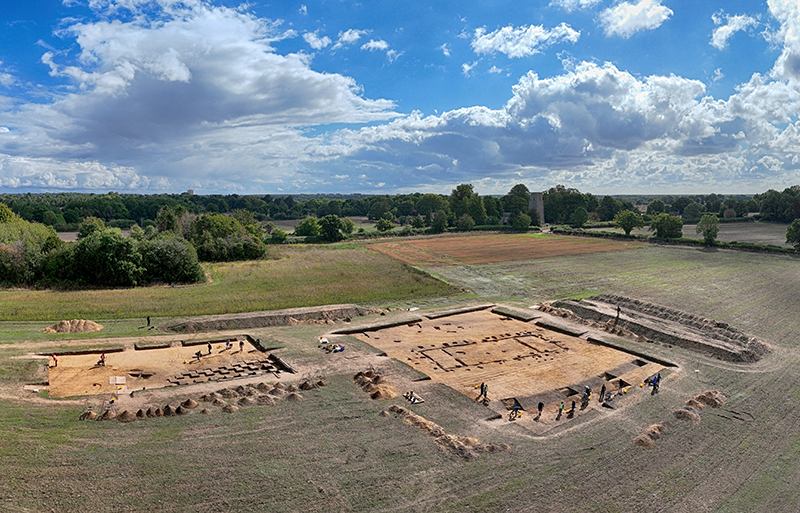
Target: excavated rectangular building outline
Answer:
pixel 519 361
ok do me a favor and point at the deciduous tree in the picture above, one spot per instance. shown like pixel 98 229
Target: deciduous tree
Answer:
pixel 709 227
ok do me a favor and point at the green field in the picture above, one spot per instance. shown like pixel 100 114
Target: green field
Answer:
pixel 293 276
pixel 334 452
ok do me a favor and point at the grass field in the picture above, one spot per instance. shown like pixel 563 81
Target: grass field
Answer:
pixel 333 452
pixel 294 276
pixel 755 232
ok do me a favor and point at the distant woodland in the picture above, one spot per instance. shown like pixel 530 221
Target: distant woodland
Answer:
pixel 168 235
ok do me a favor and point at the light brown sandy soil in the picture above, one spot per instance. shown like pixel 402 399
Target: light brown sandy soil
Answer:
pixel 519 361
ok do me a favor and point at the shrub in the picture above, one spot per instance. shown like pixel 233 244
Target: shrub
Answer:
pixel 666 226
pixel 521 222
pixel 308 227
pixel 171 259
pixel 107 258
pixel 465 222
pixel 384 225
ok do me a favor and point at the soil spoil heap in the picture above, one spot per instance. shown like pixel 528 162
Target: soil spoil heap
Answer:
pixel 329 314
pixel 667 326
pixel 73 326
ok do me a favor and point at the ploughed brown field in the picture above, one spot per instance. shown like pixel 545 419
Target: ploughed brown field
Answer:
pixel 488 249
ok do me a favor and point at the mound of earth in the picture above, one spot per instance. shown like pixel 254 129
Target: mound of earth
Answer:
pixel 289 317
pixel 265 400
pixel 126 416
pixel 664 325
pixel 464 446
pixel 688 414
pixel 247 401
pixel 73 326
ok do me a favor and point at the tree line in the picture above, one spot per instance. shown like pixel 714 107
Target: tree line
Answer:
pixel 169 251
pixel 65 211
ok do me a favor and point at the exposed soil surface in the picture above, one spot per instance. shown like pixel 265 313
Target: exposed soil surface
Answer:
pixel 133 369
pixel 523 363
pixel 484 249
pixel 669 326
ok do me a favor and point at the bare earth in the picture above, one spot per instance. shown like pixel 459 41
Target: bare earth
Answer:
pixel 484 249
pixel 149 368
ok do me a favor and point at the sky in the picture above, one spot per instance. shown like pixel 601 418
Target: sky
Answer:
pixel 333 96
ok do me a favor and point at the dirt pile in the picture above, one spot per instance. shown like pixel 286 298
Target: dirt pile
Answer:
pixel 464 446
pixel 73 326
pixel 329 314
pixel 664 325
pixel 126 416
pixel 651 435
pixel 247 401
pixel 265 400
pixel 711 398
pixel 377 386
pixel 688 414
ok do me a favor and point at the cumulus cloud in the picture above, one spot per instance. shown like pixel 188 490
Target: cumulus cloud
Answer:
pixel 729 25
pixel 445 50
pixel 349 37
pixel 179 97
pixel 573 5
pixel 316 42
pixel 521 41
pixel 594 125
pixel 625 19
pixel 787 12
pixel 373 45
pixel 467 67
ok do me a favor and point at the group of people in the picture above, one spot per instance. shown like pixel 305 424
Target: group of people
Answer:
pixel 655 382
pixel 484 393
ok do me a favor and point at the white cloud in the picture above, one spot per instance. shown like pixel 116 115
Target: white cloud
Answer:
pixel 466 68
pixel 393 55
pixel 522 41
pixel 495 70
pixel 178 91
pixel 729 26
pixel 787 12
pixel 316 42
pixel 718 75
pixel 625 19
pixel 573 5
pixel 445 50
pixel 597 127
pixel 349 37
pixel 303 10
pixel 374 45
pixel 7 79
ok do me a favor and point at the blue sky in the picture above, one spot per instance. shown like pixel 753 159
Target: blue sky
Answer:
pixel 635 96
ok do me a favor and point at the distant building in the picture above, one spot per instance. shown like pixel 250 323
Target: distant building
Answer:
pixel 536 204
pixel 190 192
